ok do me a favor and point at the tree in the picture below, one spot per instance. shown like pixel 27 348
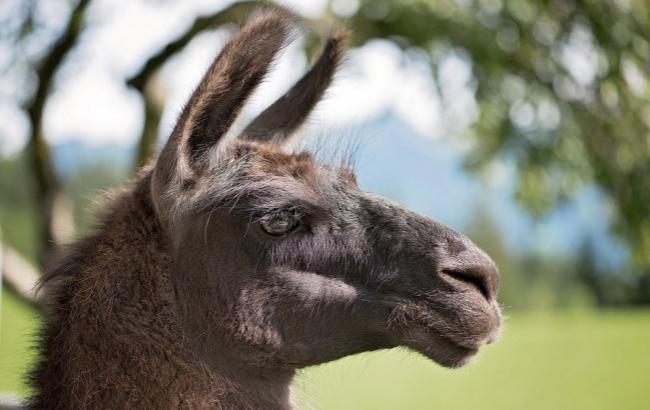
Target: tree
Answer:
pixel 561 86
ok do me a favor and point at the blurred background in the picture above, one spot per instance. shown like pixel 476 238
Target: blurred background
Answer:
pixel 525 124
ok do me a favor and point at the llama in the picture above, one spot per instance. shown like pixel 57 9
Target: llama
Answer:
pixel 231 262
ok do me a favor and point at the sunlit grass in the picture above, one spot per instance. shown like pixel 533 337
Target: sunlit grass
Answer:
pixel 553 361
pixel 571 361
pixel 17 327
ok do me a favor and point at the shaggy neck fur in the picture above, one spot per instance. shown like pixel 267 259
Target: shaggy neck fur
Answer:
pixel 113 338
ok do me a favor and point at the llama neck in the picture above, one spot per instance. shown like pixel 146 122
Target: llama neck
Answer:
pixel 113 336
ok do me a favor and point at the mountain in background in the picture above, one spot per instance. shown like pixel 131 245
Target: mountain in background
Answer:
pixel 74 155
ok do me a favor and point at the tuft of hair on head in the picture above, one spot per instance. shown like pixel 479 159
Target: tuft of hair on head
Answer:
pixel 338 147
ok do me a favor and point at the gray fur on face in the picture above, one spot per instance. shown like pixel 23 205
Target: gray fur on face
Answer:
pixel 359 268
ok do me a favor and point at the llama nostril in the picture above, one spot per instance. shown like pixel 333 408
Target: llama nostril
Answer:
pixel 472 278
pixel 466 263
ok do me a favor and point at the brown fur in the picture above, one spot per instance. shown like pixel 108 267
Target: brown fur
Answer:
pixel 183 298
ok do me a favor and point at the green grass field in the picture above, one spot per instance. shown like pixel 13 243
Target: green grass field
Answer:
pixel 17 325
pixel 574 361
pixel 584 360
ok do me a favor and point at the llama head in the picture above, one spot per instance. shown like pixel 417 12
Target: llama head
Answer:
pixel 282 261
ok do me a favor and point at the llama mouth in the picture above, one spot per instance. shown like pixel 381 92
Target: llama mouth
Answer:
pixel 468 328
pixel 450 341
pixel 422 329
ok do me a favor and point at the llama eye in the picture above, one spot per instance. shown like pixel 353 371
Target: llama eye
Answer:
pixel 279 224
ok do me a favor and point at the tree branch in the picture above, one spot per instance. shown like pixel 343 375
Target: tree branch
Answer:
pixel 19 275
pixel 46 181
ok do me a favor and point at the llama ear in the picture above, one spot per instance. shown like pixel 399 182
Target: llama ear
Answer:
pixel 278 122
pixel 230 80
